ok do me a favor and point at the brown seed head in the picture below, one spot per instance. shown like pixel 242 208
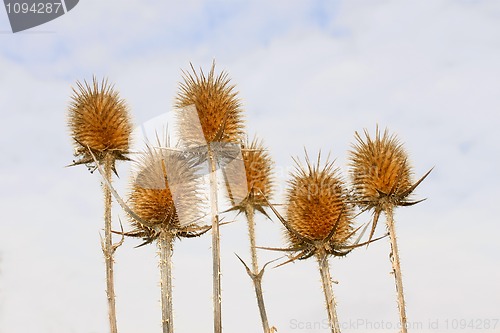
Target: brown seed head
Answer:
pixel 380 170
pixel 257 184
pixel 99 119
pixel 259 174
pixel 317 201
pixel 164 192
pixel 217 105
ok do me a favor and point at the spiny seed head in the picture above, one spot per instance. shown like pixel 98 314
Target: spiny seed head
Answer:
pixel 317 201
pixel 380 170
pixel 248 178
pixel 259 174
pixel 99 119
pixel 164 192
pixel 217 105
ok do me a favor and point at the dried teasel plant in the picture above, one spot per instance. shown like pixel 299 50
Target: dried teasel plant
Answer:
pixel 319 221
pixel 164 204
pixel 381 177
pixel 165 199
pixel 250 197
pixel 210 123
pixel 100 126
pixel 99 121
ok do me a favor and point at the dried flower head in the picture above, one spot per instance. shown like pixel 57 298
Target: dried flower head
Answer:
pixel 164 194
pixel 381 174
pixel 319 216
pixel 380 169
pixel 218 107
pixel 259 174
pixel 99 120
pixel 257 187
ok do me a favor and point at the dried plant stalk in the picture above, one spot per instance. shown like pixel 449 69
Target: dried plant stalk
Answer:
pixel 165 245
pixel 220 117
pixel 214 209
pixel 396 268
pixel 107 246
pixel 326 280
pixel 256 274
pixel 247 195
pixel 319 221
pixel 100 128
pixel 165 205
pixel 381 176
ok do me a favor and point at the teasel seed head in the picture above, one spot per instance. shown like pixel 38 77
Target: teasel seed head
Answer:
pixel 99 120
pixel 317 205
pixel 259 173
pixel 381 174
pixel 217 104
pixel 259 182
pixel 164 194
pixel 380 170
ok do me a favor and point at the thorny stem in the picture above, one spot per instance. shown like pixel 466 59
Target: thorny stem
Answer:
pixel 396 267
pixel 250 213
pixel 217 297
pixel 326 279
pixel 256 277
pixel 107 246
pixel 165 243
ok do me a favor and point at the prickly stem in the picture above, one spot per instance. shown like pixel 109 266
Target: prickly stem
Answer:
pixel 326 279
pixel 107 245
pixel 256 278
pixel 396 267
pixel 165 243
pixel 217 297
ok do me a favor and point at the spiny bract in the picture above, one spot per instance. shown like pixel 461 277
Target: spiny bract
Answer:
pixel 99 120
pixel 318 203
pixel 218 108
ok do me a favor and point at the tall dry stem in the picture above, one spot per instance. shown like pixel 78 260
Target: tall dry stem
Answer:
pixel 217 120
pixel 381 176
pixel 107 246
pixel 396 267
pixel 100 128
pixel 165 205
pixel 165 246
pixel 249 194
pixel 326 280
pixel 214 209
pixel 256 276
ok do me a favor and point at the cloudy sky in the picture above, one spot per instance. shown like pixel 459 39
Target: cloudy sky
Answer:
pixel 310 74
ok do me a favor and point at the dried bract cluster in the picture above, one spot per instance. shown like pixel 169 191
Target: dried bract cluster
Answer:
pixel 381 174
pixel 318 211
pixel 258 186
pixel 380 170
pixel 99 120
pixel 217 105
pixel 164 194
pixel 259 174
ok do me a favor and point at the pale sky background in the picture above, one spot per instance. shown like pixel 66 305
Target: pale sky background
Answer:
pixel 310 74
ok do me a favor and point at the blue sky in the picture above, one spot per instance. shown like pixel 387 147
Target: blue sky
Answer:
pixel 310 74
